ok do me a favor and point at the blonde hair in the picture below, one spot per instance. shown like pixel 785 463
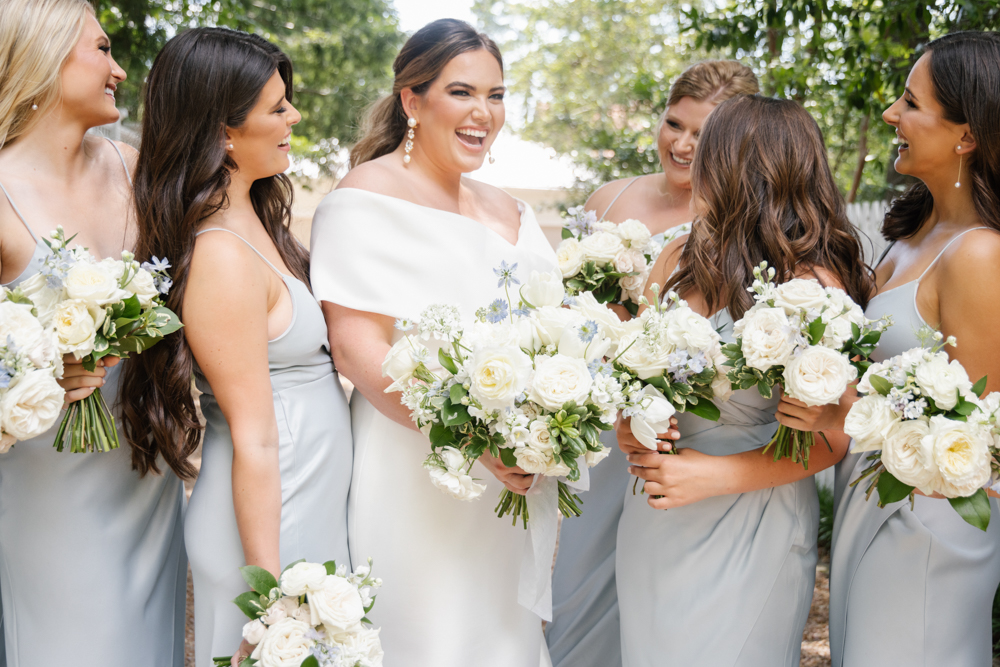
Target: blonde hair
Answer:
pixel 36 38
pixel 710 81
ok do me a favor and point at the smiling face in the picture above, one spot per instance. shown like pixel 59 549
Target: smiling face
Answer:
pixel 460 114
pixel 928 143
pixel 90 77
pixel 678 138
pixel 261 144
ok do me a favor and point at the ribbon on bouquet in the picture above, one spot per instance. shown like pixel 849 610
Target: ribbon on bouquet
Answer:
pixel 535 586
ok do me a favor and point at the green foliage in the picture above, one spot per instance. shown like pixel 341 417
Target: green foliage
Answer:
pixel 975 509
pixel 825 536
pixel 342 53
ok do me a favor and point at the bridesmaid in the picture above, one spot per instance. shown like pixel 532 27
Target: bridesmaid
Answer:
pixel 211 196
pixel 92 564
pixel 584 630
pixel 725 577
pixel 916 586
pixel 404 230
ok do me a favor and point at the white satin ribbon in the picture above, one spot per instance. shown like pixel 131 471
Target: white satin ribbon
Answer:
pixel 535 586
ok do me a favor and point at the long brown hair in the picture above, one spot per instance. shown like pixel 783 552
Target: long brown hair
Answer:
pixel 762 178
pixel 418 64
pixel 965 72
pixel 204 80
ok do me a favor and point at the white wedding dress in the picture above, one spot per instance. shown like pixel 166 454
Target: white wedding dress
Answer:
pixel 451 568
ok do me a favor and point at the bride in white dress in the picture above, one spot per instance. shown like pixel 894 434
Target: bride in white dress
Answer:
pixel 403 231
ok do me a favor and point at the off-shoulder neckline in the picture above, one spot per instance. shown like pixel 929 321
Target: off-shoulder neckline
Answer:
pixel 522 206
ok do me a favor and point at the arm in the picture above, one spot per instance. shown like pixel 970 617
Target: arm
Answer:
pixel 359 342
pixel 226 305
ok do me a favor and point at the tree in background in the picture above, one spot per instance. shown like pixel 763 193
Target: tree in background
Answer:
pixel 342 51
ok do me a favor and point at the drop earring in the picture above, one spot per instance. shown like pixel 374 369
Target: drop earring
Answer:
pixel 958 183
pixel 489 153
pixel 411 123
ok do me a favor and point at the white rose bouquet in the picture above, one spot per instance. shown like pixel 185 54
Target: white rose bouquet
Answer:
pixel 30 397
pixel 812 341
pixel 611 261
pixel 313 616
pixel 932 433
pixel 97 309
pixel 527 384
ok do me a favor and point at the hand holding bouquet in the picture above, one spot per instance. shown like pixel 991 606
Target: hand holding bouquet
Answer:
pixel 923 414
pixel 611 261
pixel 313 617
pixel 30 397
pixel 812 341
pixel 98 309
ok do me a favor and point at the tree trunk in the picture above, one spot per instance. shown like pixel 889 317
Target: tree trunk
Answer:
pixel 862 154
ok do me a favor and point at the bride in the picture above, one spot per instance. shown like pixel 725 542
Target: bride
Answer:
pixel 402 231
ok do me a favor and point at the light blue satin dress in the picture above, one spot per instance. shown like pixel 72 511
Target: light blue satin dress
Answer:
pixel 315 458
pixel 92 565
pixel 908 587
pixel 585 630
pixel 727 581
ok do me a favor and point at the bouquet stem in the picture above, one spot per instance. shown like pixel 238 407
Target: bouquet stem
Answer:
pixel 517 505
pixel 789 443
pixel 89 426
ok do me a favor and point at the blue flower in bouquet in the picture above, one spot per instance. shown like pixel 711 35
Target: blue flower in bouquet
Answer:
pixel 506 275
pixel 158 268
pixel 521 312
pixel 587 331
pixel 496 311
pixel 598 367
pixel 569 300
pixel 581 222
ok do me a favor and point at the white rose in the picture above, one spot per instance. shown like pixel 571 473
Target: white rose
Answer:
pixel 587 305
pixel 94 283
pixel 551 321
pixel 632 287
pixel 143 287
pixel 961 454
pixel 570 257
pixel 818 376
pixel 629 260
pixel 44 298
pixel 768 339
pixel 634 233
pixel 556 469
pixel 17 322
pixel 528 336
pixel 868 422
pixel 909 455
pixel 722 388
pixel 654 418
pixel 593 458
pixel 302 578
pixel 486 334
pixel 538 436
pixel 254 631
pixel 800 294
pixel 302 613
pixel 942 380
pixel 401 361
pixel 558 380
pixel 687 329
pixel 284 644
pixel 841 312
pixel 533 461
pixel 363 643
pixel 282 608
pixel 877 368
pixel 544 289
pixel 336 604
pixel 644 360
pixel 75 328
pixel 498 375
pixel 454 480
pixel 601 247
pixel 6 442
pixel 573 344
pixel 31 404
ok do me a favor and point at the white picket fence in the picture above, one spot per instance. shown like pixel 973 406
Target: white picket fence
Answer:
pixel 867 217
pixel 117 131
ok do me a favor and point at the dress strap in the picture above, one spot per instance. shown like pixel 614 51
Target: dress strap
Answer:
pixel 18 212
pixel 259 254
pixel 947 245
pixel 620 193
pixel 122 158
pixel 884 253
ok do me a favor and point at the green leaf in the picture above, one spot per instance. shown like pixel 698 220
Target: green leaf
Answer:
pixel 249 604
pixel 259 579
pixel 173 322
pixel 880 384
pixel 442 436
pixel 980 387
pixel 816 330
pixel 706 410
pixel 965 408
pixel 765 389
pixel 975 509
pixel 311 661
pixel 890 489
pixel 566 233
pixel 132 308
pixel 855 331
pixel 454 414
pixel 457 393
pixel 331 566
pixel 507 456
pixel 447 361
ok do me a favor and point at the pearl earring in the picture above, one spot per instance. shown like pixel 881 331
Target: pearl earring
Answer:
pixel 230 147
pixel 958 183
pixel 34 107
pixel 490 154
pixel 411 123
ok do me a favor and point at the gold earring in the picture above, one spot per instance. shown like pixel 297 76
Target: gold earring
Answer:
pixel 958 183
pixel 411 123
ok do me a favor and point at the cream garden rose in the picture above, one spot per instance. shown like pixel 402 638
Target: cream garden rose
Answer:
pixel 96 284
pixel 337 605
pixel 302 578
pixel 796 294
pixel 690 330
pixel 402 361
pixel 943 380
pixel 454 480
pixel 961 455
pixel 768 339
pixel 253 632
pixel 570 257
pixel 44 298
pixel 868 422
pixel 634 233
pixel 284 644
pixel 532 460
pixel 143 287
pixel 31 404
pixel 908 455
pixel 601 248
pixel 498 375
pixel 818 376
pixel 560 379
pixel 75 328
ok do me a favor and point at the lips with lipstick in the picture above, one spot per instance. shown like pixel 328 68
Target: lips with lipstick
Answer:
pixel 471 137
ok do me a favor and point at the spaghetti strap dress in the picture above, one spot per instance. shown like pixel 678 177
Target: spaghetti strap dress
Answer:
pixel 315 458
pixel 92 564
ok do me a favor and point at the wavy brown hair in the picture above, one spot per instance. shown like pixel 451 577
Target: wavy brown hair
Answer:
pixel 203 81
pixel 764 185
pixel 418 64
pixel 965 73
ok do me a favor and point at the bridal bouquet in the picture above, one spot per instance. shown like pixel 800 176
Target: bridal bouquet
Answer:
pixel 611 261
pixel 98 309
pixel 30 397
pixel 313 616
pixel 924 415
pixel 672 361
pixel 527 384
pixel 811 340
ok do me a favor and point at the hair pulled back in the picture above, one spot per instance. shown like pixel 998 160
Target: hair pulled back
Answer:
pixel 418 64
pixel 767 194
pixel 711 81
pixel 204 80
pixel 965 72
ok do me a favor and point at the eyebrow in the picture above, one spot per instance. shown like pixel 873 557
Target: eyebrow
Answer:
pixel 280 101
pixel 910 93
pixel 459 84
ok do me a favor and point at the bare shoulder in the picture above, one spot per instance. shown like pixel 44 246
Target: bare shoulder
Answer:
pixel 604 195
pixel 373 176
pixel 973 260
pixel 130 154
pixel 223 263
